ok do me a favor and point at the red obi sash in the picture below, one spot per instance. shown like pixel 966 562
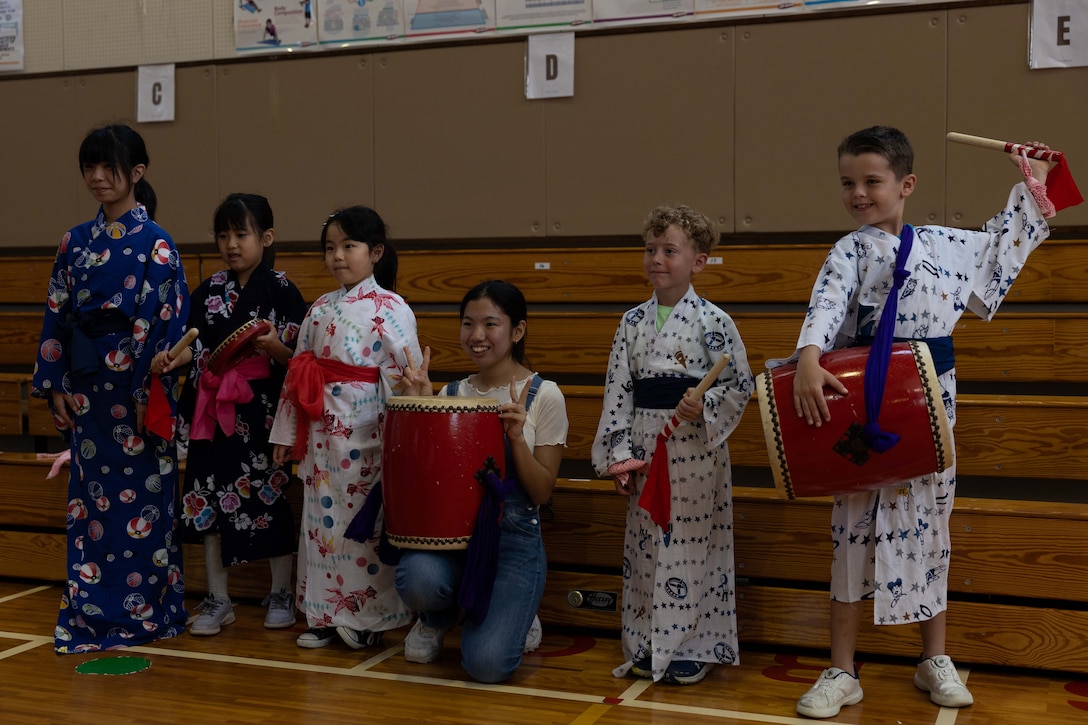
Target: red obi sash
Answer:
pixel 304 387
pixel 216 396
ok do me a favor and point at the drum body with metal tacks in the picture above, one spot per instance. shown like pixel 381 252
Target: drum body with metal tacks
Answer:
pixel 435 451
pixel 833 458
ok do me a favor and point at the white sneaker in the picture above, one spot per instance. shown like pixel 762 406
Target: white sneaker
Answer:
pixel 281 610
pixel 535 634
pixel 938 676
pixel 214 615
pixel 832 690
pixel 424 644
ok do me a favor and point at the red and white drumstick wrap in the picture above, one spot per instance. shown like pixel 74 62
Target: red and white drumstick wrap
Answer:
pixel 656 496
pixel 1006 146
pixel 1061 190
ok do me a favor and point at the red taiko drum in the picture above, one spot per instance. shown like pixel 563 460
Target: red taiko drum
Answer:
pixel 834 459
pixel 238 346
pixel 433 449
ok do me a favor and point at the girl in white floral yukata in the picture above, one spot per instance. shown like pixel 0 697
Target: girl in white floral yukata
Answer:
pixel 679 603
pixel 352 349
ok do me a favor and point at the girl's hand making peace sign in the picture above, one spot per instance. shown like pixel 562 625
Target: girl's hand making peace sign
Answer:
pixel 513 414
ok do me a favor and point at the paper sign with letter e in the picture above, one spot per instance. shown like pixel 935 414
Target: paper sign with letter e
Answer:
pixel 155 93
pixel 1059 34
pixel 549 66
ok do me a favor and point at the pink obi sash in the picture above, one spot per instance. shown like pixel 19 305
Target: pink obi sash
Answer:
pixel 307 376
pixel 216 396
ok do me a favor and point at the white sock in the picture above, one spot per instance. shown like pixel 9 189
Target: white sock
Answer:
pixel 217 573
pixel 281 573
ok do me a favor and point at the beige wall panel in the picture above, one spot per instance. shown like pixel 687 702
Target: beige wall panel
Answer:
pixel 43 42
pixel 183 159
pixel 458 150
pixel 299 132
pixel 651 122
pixel 112 33
pixel 993 93
pixel 223 28
pixel 802 87
pixel 42 187
pixel 182 152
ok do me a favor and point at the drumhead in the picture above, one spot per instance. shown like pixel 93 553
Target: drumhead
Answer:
pixel 238 345
pixel 441 404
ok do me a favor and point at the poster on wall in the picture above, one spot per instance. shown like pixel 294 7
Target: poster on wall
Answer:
pixel 837 4
pixel 350 21
pixel 706 9
pixel 11 35
pixel 641 11
pixel 524 15
pixel 1059 34
pixel 267 26
pixel 429 18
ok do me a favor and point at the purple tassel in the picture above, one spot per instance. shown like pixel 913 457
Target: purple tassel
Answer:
pixel 876 367
pixel 482 557
pixel 361 528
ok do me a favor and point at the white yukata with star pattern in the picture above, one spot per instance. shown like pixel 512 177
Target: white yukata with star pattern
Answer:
pixel 679 599
pixel 892 544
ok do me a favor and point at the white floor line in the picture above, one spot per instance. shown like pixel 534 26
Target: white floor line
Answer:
pixel 25 592
pixel 31 643
pixel 948 715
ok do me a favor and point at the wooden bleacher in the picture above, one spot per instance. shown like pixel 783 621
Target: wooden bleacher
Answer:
pixel 1020 527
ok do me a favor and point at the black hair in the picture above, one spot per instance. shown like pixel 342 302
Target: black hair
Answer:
pixel 507 298
pixel 239 212
pixel 363 224
pixel 123 149
pixel 891 143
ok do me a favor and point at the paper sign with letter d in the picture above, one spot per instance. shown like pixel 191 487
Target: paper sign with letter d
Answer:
pixel 549 66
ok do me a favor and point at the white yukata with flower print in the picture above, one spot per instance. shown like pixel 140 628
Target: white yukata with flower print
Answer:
pixel 342 582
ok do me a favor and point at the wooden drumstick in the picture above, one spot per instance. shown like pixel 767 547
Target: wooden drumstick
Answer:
pixel 1006 146
pixel 185 341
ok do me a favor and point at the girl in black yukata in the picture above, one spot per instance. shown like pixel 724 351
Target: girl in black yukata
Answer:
pixel 233 495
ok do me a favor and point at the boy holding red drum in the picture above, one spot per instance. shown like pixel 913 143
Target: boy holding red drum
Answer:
pixel 679 603
pixel 892 544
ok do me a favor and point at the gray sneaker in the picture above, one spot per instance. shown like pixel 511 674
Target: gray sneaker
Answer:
pixel 214 615
pixel 281 610
pixel 832 690
pixel 938 676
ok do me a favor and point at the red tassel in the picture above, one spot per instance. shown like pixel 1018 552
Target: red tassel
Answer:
pixel 656 496
pixel 158 419
pixel 1060 187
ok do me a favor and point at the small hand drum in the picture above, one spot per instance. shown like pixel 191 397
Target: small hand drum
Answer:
pixel 238 346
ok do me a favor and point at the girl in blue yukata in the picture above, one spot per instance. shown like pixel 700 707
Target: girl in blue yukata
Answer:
pixel 117 295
